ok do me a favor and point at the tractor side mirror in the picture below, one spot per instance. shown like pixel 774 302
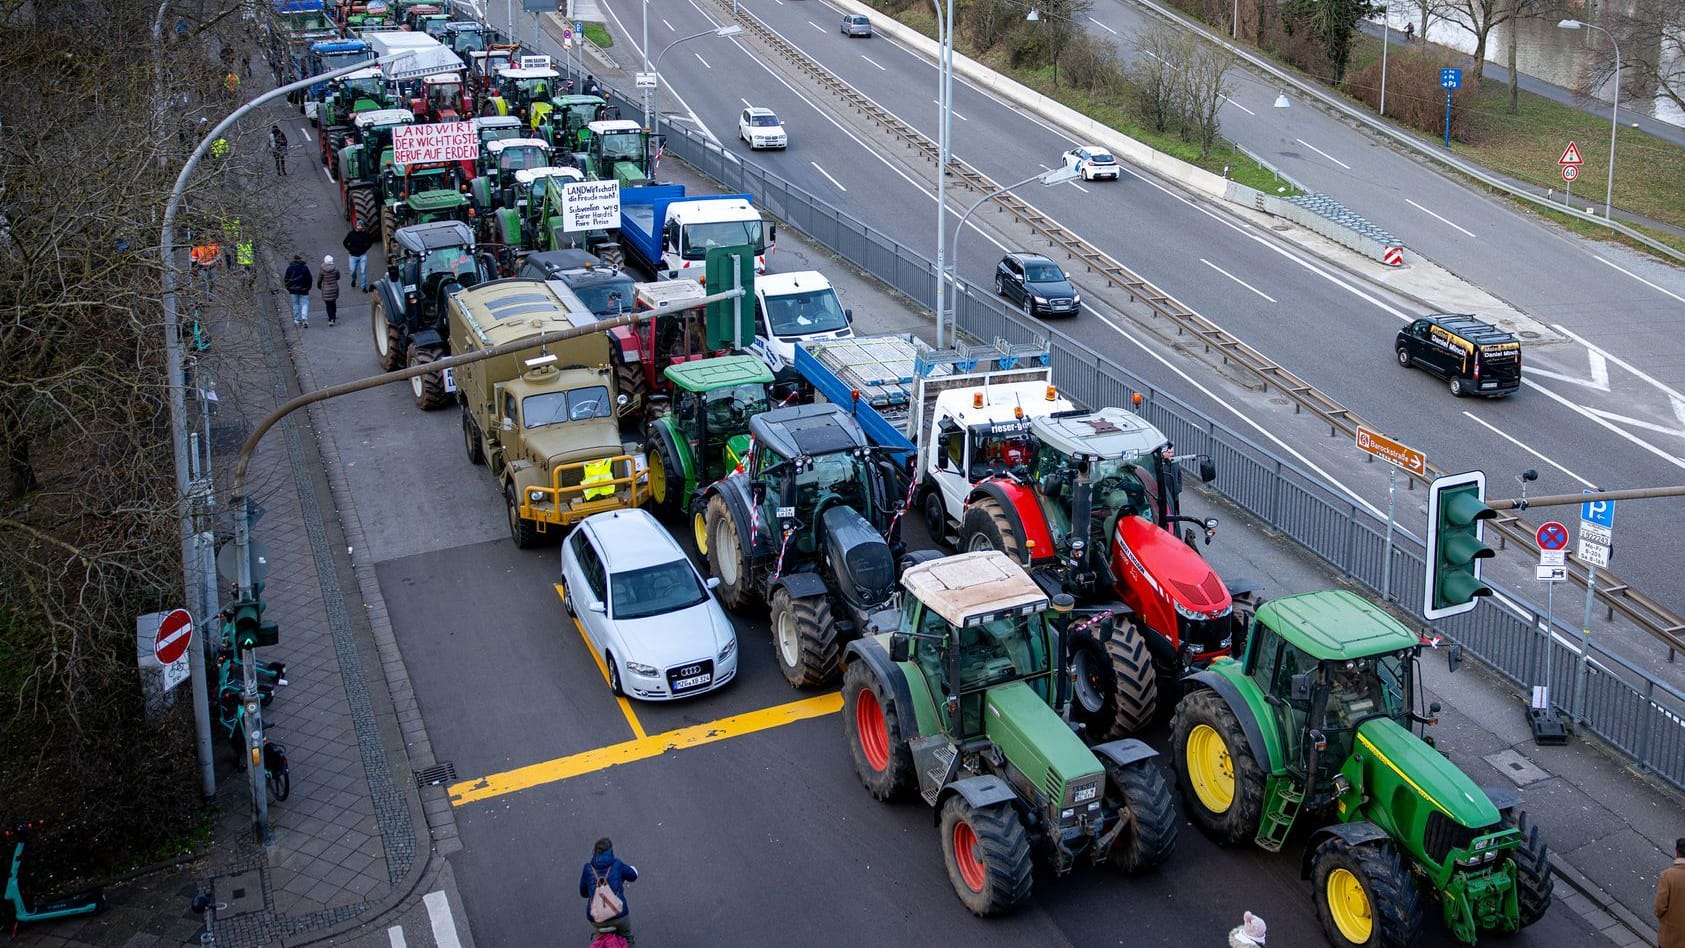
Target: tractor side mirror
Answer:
pixel 1433 708
pixel 1207 469
pixel 1454 658
pixel 1299 687
pixel 1108 628
pixel 757 490
pixel 848 316
pixel 900 647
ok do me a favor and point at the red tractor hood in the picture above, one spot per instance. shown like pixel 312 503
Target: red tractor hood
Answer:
pixel 1174 570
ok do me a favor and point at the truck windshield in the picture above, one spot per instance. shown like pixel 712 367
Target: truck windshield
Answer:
pixel 575 404
pixel 802 314
pixel 655 590
pixel 329 61
pixel 701 238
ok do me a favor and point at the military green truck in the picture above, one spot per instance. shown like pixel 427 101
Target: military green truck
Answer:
pixel 543 419
pixel 962 702
pixel 705 435
pixel 1312 728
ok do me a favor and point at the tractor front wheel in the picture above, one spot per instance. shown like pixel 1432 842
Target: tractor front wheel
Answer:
pixel 727 557
pixel 988 856
pixel 882 758
pixel 804 639
pixel 1365 897
pixel 1219 777
pixel 1534 883
pixel 387 350
pixel 1116 685
pixel 428 390
pixel 1136 791
pixel 666 477
pixel 987 527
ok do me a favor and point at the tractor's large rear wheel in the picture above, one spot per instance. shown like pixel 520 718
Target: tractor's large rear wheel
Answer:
pixel 428 390
pixel 611 255
pixel 987 527
pixel 1365 897
pixel 988 856
pixel 1534 883
pixel 1116 685
pixel 387 350
pixel 1219 777
pixel 804 639
pixel 629 381
pixel 882 758
pixel 1138 792
pixel 727 557
pixel 666 477
pixel 388 231
pixel 365 208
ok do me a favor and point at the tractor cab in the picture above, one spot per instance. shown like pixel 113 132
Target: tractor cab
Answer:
pixel 362 91
pixel 500 160
pixel 465 36
pixel 364 160
pixel 537 199
pixel 818 481
pixel 569 115
pixel 488 129
pixel 515 91
pixel 484 64
pixel 432 261
pixel 440 98
pixel 420 17
pixel 422 193
pixel 366 16
pixel 713 400
pixel 618 149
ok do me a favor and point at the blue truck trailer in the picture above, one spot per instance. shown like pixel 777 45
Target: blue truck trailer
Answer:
pixel 670 232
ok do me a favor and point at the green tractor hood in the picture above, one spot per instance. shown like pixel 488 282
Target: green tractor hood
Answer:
pixel 432 202
pixel 1405 780
pixel 1039 743
pixel 629 175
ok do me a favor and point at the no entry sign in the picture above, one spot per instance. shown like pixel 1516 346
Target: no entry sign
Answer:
pixel 175 634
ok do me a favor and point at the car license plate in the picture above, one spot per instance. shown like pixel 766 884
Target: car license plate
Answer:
pixel 1488 384
pixel 694 681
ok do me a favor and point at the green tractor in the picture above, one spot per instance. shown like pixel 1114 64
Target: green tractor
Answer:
pixel 564 116
pixel 362 162
pixel 706 434
pixel 964 702
pixel 421 194
pixel 1312 727
pixel 494 172
pixel 532 219
pixel 347 97
pixel 810 526
pixel 618 150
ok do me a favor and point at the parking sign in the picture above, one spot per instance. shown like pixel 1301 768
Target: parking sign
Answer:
pixel 1600 512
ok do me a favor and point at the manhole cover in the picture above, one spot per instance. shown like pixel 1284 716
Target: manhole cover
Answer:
pixel 1516 767
pixel 435 775
pixel 238 894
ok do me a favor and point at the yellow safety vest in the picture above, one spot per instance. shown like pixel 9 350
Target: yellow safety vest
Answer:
pixel 598 472
pixel 244 254
pixel 219 148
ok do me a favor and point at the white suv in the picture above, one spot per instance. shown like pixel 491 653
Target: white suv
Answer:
pixel 761 128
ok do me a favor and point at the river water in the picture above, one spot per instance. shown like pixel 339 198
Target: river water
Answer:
pixel 1547 52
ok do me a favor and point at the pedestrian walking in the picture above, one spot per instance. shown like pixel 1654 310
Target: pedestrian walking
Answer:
pixel 297 281
pixel 1670 901
pixel 231 83
pixel 278 146
pixel 327 280
pixel 246 64
pixel 1249 933
pixel 1409 32
pixel 357 243
pixel 603 887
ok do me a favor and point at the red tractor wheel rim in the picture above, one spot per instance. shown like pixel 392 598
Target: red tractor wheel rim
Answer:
pixel 874 731
pixel 971 867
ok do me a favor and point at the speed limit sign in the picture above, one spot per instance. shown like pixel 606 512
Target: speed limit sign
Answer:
pixel 1570 172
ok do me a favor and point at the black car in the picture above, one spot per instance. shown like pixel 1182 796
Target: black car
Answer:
pixel 607 291
pixel 1037 284
pixel 1476 357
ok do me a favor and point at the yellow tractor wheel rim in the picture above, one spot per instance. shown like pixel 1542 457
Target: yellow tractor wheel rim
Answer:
pixel 699 526
pixel 657 478
pixel 1210 769
pixel 1349 906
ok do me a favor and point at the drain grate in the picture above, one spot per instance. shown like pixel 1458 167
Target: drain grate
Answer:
pixel 435 775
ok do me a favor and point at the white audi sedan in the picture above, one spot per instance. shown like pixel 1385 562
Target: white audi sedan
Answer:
pixel 646 611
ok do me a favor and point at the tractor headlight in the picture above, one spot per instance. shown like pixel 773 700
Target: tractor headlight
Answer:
pixel 1187 613
pixel 1482 843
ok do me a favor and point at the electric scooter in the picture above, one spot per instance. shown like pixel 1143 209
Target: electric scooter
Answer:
pixel 44 910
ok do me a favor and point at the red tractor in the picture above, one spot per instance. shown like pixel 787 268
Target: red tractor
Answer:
pixel 642 353
pixel 441 98
pixel 1094 514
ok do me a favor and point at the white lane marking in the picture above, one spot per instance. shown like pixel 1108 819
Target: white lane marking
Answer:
pixel 745 102
pixel 701 60
pixel 1437 217
pixel 325 174
pixel 395 935
pixel 1237 279
pixel 444 926
pixel 669 26
pixel 1494 429
pixel 817 27
pixel 1323 153
pixel 869 59
pixel 1641 279
pixel 1658 452
pixel 827 175
pixel 672 92
pixel 1637 423
pixel 1102 26
pixel 305 130
pixel 1599 368
pixel 1239 106
pixel 938 104
pixel 1672 393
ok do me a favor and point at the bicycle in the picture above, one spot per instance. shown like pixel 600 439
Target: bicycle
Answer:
pixel 275 772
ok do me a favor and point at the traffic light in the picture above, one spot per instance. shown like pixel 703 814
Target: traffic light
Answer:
pixel 251 629
pixel 1457 512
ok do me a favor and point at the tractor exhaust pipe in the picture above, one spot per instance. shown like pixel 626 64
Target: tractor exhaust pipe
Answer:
pixel 1082 515
pixel 1063 603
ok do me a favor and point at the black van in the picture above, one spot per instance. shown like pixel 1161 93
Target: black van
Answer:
pixel 1476 357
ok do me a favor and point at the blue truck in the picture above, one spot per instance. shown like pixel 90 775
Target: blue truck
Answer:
pixel 320 57
pixel 670 232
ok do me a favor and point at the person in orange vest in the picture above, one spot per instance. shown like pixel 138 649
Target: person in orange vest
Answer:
pixel 204 258
pixel 232 84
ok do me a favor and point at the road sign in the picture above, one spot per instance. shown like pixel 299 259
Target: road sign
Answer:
pixel 1390 451
pixel 1552 536
pixel 1600 512
pixel 1553 557
pixel 1552 574
pixel 1571 155
pixel 1592 554
pixel 174 634
pixel 1450 78
pixel 644 80
pixel 1569 173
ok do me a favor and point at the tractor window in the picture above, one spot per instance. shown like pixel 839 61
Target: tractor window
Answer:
pixel 1119 485
pixel 831 478
pixel 623 146
pixel 730 408
pixel 1294 715
pixel 930 648
pixel 1366 688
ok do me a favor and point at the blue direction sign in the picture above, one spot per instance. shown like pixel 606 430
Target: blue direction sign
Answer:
pixel 1600 512
pixel 1450 78
pixel 1552 536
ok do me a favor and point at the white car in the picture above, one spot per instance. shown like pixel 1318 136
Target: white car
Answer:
pixel 1093 162
pixel 761 128
pixel 646 611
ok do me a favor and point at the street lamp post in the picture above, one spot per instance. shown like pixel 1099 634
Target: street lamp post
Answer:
pixel 178 395
pixel 1047 179
pixel 944 149
pixel 730 29
pixel 1386 40
pixel 1614 109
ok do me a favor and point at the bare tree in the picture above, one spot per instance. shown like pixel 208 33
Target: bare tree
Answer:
pixel 1333 24
pixel 1157 77
pixel 1057 26
pixel 1480 17
pixel 1652 42
pixel 1205 84
pixel 1432 10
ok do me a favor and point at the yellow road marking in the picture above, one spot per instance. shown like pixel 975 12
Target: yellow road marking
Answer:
pixel 625 705
pixel 601 758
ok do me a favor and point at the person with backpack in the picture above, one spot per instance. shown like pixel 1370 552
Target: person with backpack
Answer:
pixel 603 887
pixel 327 280
pixel 297 280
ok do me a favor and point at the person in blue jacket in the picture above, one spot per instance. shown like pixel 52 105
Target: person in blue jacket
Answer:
pixel 604 867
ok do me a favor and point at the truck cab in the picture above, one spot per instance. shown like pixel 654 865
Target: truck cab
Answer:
pixel 793 308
